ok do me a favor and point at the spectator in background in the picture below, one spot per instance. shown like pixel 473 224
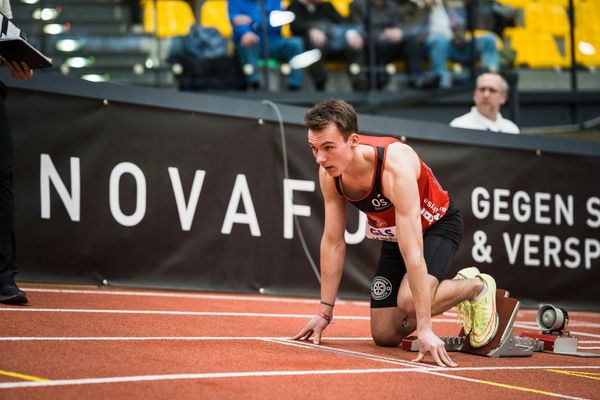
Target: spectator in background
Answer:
pixel 246 19
pixel 323 28
pixel 9 291
pixel 447 41
pixel 490 94
pixel 392 41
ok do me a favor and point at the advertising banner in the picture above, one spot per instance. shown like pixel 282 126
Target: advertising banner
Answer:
pixel 135 195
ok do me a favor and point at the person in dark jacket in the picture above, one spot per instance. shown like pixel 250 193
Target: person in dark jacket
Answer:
pixel 9 291
pixel 324 28
pixel 393 39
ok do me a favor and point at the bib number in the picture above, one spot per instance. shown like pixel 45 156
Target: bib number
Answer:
pixel 388 233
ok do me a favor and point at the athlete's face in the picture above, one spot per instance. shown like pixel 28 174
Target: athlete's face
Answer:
pixel 330 149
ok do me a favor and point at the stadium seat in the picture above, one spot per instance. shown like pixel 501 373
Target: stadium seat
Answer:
pixel 342 6
pixel 515 3
pixel 536 49
pixel 213 13
pixel 174 18
pixel 547 19
pixel 559 3
pixel 587 14
pixel 588 48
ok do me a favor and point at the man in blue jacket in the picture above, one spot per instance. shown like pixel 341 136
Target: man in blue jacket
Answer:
pixel 246 19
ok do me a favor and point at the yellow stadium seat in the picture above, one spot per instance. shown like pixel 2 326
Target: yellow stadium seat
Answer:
pixel 515 3
pixel 174 18
pixel 342 6
pixel 536 49
pixel 546 18
pixel 213 13
pixel 286 30
pixel 559 3
pixel 587 14
pixel 588 48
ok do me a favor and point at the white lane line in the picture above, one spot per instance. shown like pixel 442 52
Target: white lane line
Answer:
pixel 574 333
pixel 102 292
pixel 231 314
pixel 351 353
pixel 141 338
pixel 420 368
pixel 571 313
pixel 161 312
pixel 197 313
pixel 139 378
pixel 203 338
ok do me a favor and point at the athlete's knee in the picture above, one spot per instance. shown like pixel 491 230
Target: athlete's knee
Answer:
pixel 386 338
pixel 391 333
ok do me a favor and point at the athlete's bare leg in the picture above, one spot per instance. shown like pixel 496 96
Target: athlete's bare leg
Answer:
pixel 391 324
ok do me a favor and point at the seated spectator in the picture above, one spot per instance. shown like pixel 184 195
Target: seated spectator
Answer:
pixel 392 41
pixel 490 94
pixel 246 19
pixel 323 28
pixel 447 41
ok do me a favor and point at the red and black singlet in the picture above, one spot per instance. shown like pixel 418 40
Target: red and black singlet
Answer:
pixel 379 209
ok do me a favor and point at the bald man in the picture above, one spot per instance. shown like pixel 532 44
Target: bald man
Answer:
pixel 490 94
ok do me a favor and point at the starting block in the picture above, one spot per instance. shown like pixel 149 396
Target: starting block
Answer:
pixel 505 343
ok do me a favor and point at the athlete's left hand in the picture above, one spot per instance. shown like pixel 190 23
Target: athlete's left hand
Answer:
pixel 429 342
pixel 313 329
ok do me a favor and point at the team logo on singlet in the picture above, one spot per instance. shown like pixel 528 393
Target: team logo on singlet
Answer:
pixel 380 203
pixel 381 288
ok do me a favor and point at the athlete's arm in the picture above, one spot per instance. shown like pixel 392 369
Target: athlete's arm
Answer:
pixel 401 171
pixel 333 251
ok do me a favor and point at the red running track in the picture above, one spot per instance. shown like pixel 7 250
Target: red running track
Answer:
pixel 74 342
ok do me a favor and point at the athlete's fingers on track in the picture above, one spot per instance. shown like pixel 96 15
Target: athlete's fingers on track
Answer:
pixel 420 357
pixel 307 335
pixel 436 357
pixel 303 335
pixel 317 338
pixel 447 360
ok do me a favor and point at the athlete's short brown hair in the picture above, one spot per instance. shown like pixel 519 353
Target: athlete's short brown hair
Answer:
pixel 337 111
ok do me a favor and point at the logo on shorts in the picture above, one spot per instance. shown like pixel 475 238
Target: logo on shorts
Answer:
pixel 381 288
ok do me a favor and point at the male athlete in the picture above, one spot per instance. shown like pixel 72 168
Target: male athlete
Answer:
pixel 418 224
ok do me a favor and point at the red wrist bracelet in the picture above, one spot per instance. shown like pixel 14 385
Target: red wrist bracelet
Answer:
pixel 325 317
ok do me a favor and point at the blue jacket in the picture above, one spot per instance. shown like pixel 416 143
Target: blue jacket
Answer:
pixel 251 8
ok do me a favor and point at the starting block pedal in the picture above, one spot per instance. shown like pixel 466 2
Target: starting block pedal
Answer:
pixel 505 343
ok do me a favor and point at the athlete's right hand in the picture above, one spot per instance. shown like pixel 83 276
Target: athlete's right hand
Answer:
pixel 314 329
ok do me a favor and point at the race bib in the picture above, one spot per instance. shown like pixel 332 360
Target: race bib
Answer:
pixel 388 233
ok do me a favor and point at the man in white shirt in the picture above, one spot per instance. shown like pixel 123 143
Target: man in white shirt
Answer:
pixel 490 94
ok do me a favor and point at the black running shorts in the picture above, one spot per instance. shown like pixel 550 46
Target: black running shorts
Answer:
pixel 440 242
